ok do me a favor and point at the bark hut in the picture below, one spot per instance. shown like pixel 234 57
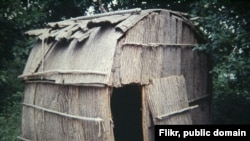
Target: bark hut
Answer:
pixel 78 67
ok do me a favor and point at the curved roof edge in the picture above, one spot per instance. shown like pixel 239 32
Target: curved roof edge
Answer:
pixel 80 27
pixel 83 48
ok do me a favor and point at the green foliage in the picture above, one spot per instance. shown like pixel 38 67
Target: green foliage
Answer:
pixel 226 25
pixel 179 5
pixel 64 9
pixel 15 18
pixel 10 119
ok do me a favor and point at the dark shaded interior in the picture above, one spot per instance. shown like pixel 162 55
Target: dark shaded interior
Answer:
pixel 127 114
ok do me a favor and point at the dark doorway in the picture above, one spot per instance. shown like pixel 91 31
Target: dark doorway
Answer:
pixel 127 113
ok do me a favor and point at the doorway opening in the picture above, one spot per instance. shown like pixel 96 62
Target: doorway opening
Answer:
pixel 126 104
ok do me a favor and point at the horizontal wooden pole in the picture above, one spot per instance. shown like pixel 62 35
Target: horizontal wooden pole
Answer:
pixel 71 84
pixel 62 72
pixel 135 10
pixel 63 114
pixel 176 112
pixel 155 44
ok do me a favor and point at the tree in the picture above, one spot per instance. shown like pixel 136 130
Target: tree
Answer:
pixel 226 26
pixel 16 18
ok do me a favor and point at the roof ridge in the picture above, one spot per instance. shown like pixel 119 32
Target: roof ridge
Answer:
pixel 119 12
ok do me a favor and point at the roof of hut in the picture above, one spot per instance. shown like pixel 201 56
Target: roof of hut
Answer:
pixel 81 50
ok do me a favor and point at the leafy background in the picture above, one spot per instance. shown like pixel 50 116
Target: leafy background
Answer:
pixel 224 23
